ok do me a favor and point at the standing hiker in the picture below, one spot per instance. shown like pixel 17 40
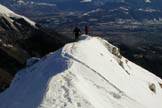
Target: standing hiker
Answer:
pixel 86 29
pixel 76 32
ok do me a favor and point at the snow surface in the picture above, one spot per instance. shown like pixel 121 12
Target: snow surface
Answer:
pixel 7 12
pixel 89 73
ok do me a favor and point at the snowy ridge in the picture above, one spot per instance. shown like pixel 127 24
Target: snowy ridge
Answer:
pixel 4 11
pixel 89 73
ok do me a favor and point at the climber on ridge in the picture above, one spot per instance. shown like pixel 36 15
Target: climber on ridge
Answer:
pixel 76 32
pixel 86 29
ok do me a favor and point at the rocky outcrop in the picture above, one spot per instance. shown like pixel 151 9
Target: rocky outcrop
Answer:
pixel 20 39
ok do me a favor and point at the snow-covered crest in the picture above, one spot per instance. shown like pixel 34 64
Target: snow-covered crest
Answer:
pixel 4 11
pixel 89 73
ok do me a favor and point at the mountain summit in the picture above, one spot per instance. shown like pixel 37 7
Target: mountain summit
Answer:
pixel 89 73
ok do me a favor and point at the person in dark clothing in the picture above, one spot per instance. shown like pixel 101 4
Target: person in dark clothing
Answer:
pixel 86 29
pixel 76 32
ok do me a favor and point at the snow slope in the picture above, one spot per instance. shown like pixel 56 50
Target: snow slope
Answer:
pixel 4 11
pixel 89 73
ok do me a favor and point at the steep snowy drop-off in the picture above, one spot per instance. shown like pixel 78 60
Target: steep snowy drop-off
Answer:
pixel 89 73
pixel 5 12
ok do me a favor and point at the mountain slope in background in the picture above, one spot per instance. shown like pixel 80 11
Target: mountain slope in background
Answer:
pixel 20 39
pixel 89 73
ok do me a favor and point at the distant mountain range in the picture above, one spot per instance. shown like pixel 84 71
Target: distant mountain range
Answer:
pixel 136 9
